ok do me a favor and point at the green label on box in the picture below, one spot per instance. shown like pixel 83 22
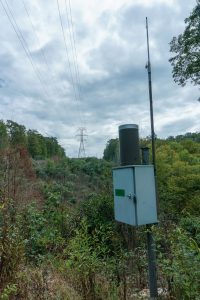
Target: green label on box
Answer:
pixel 120 193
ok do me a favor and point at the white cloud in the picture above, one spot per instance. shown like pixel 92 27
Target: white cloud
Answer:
pixel 111 46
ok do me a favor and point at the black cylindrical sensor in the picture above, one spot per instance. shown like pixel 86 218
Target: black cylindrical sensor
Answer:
pixel 129 145
pixel 145 155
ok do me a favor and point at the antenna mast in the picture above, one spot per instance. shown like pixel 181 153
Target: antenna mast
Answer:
pixel 150 240
pixel 148 67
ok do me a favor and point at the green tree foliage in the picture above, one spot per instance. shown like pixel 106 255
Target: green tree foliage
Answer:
pixel 38 146
pixel 194 136
pixel 178 168
pixel 53 148
pixel 186 62
pixel 17 134
pixel 11 244
pixel 97 249
pixel 3 135
pixel 57 225
pixel 43 147
pixel 111 152
pixel 34 144
pixel 179 258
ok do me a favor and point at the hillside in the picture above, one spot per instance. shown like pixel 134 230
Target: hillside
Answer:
pixel 58 236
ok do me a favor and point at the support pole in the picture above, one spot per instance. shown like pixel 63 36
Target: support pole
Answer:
pixel 152 264
pixel 151 248
pixel 148 66
pixel 151 101
pixel 150 241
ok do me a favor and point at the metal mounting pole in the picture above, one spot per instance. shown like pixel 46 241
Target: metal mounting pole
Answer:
pixel 150 99
pixel 152 264
pixel 150 244
pixel 145 160
pixel 148 66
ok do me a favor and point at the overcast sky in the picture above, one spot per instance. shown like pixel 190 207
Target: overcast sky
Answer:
pixel 41 89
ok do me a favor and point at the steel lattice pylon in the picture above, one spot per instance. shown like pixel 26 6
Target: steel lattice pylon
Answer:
pixel 82 135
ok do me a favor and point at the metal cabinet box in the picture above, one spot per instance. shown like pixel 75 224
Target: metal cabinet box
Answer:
pixel 135 195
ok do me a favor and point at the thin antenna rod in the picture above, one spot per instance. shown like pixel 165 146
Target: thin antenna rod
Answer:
pixel 150 240
pixel 148 66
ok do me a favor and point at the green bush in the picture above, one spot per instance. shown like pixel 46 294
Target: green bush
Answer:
pixel 41 233
pixel 179 261
pixel 11 247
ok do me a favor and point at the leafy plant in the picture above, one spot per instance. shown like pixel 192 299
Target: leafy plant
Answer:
pixel 179 259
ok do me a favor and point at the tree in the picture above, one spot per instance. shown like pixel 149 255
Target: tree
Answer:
pixel 111 152
pixel 17 134
pixel 33 143
pixel 53 148
pixel 186 62
pixel 3 135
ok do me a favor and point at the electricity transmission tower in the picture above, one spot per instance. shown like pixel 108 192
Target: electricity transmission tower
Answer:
pixel 81 135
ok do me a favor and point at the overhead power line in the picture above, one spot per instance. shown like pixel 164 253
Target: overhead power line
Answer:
pixel 73 35
pixel 75 52
pixel 73 78
pixel 73 45
pixel 36 35
pixel 43 54
pixel 66 50
pixel 20 37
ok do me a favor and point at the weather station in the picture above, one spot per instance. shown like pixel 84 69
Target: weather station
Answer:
pixel 135 201
pixel 134 184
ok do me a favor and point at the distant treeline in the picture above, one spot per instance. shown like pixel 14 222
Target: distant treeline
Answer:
pixel 40 147
pixel 194 136
pixel 111 152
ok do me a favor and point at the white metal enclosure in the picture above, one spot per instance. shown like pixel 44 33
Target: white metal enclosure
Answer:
pixel 135 195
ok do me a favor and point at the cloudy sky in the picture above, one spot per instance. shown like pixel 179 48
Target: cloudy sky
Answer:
pixel 41 87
